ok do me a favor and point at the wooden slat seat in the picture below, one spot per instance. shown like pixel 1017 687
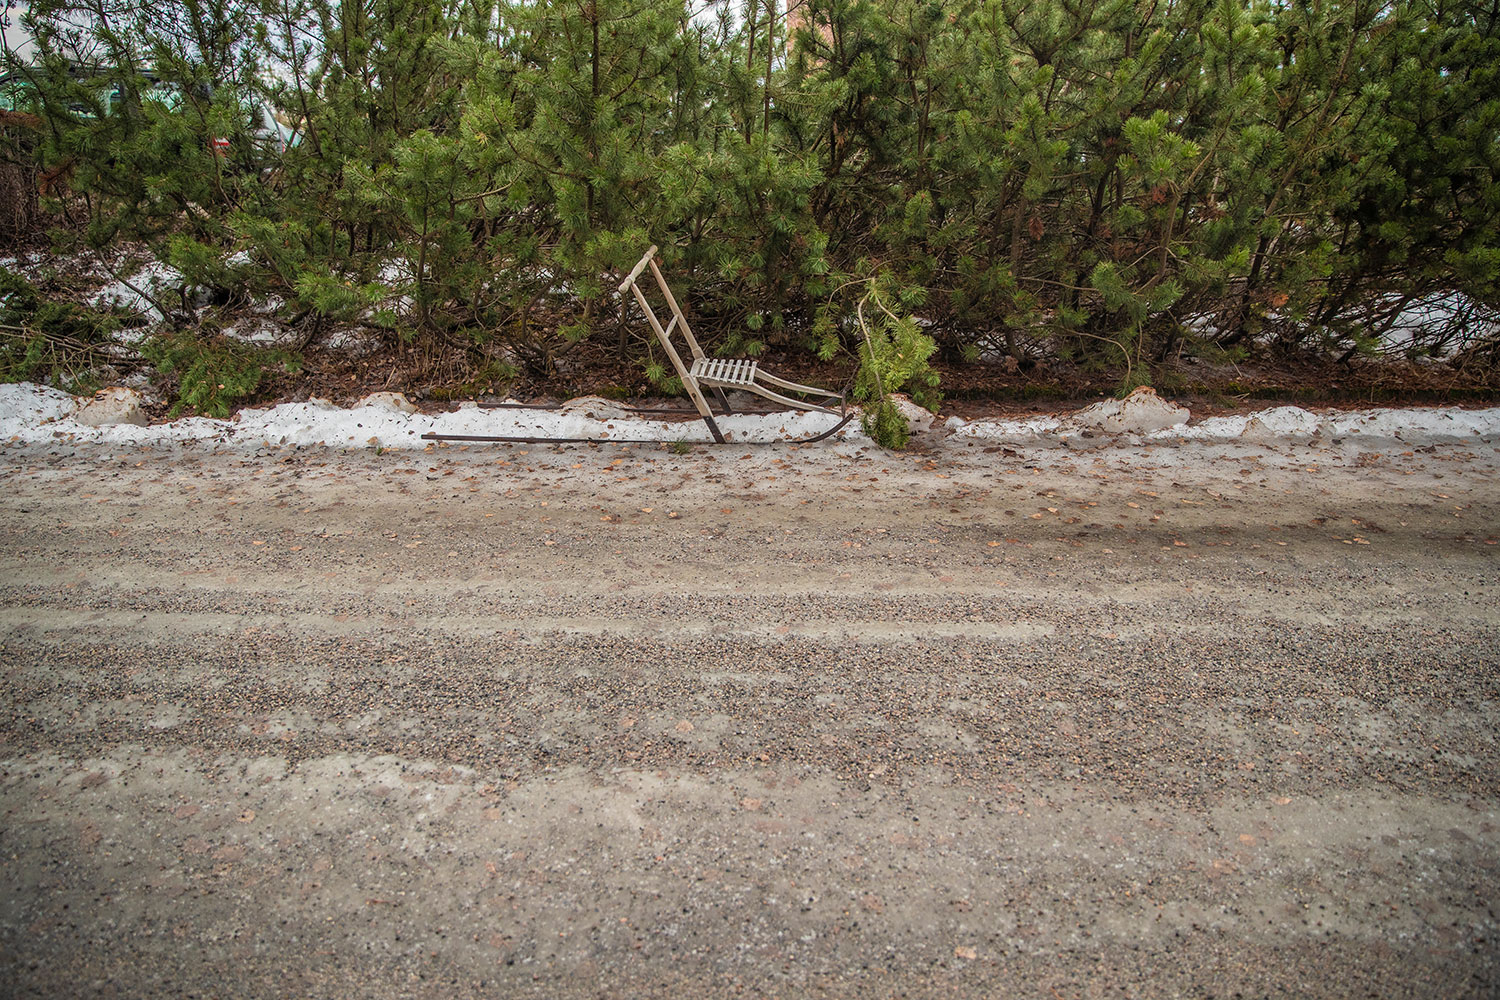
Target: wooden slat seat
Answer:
pixel 727 373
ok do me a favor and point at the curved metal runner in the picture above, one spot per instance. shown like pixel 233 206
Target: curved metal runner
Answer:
pixel 518 439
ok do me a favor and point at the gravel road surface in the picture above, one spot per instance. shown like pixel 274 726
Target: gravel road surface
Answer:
pixel 620 722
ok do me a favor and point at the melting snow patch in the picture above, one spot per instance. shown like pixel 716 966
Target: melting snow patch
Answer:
pixel 24 406
pixel 1212 429
pixel 322 423
pixel 1438 425
pixel 37 414
pixel 155 279
pixel 1281 422
pixel 1142 412
pixel 1027 430
pixel 355 342
pixel 259 331
pixel 26 264
pixel 318 422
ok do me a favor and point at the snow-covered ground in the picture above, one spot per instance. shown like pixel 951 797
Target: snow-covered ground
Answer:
pixel 155 280
pixel 33 414
pixel 1427 425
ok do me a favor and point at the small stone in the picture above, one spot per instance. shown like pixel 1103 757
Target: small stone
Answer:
pixel 596 408
pixel 114 405
pixel 1140 412
pixel 395 401
pixel 918 418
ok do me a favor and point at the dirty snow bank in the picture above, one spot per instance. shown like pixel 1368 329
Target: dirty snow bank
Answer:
pixel 32 414
pixel 1440 425
pixel 1143 417
pixel 1283 423
pixel 24 405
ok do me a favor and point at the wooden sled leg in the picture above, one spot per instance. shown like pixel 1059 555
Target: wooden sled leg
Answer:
pixel 713 428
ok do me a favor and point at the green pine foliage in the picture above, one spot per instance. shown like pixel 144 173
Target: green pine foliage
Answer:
pixel 1114 183
pixel 213 374
pixel 893 358
pixel 46 340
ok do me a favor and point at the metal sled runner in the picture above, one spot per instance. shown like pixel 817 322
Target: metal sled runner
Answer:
pixel 713 374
